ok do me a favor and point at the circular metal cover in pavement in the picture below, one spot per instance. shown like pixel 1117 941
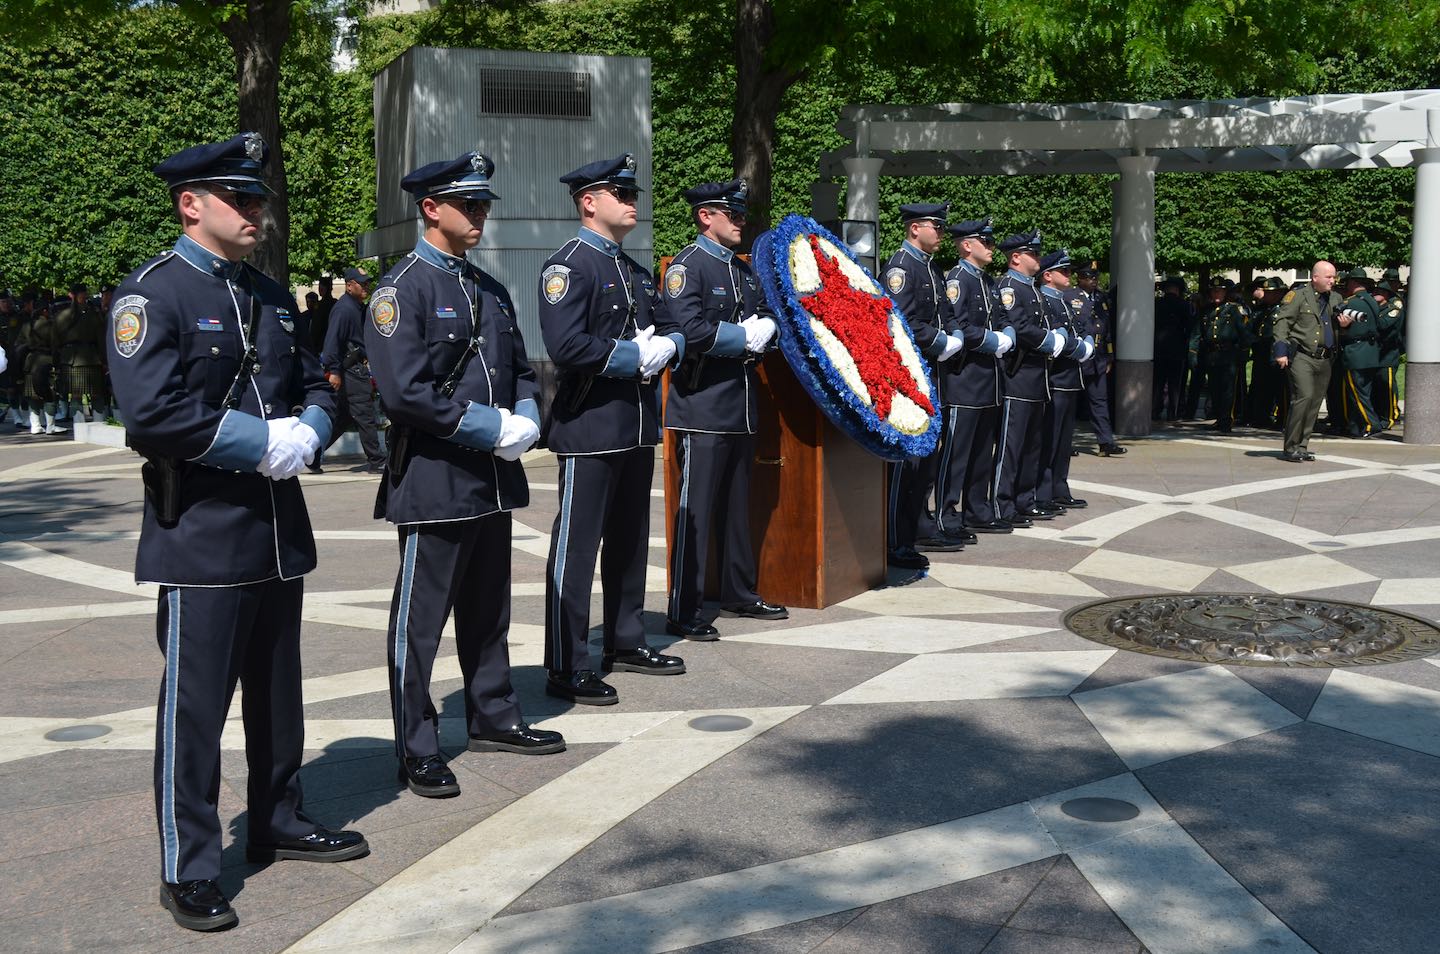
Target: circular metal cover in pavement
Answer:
pixel 1255 630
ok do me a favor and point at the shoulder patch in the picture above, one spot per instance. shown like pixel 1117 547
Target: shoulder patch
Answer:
pixel 952 290
pixel 555 282
pixel 674 280
pixel 385 311
pixel 895 280
pixel 1007 297
pixel 128 324
pixel 1289 296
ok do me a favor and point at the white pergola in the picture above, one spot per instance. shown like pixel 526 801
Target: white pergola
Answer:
pixel 1137 140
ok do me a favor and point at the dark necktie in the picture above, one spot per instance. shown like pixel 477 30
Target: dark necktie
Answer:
pixel 1329 336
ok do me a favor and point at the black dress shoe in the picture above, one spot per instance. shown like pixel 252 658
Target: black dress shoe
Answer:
pixel 1110 450
pixel 1020 522
pixel 643 660
pixel 1072 503
pixel 1309 456
pixel 756 610
pixel 1293 458
pixel 321 845
pixel 520 739
pixel 581 686
pixel 940 543
pixel 992 526
pixel 964 535
pixel 696 629
pixel 315 468
pixel 908 558
pixel 429 776
pixel 197 905
pixel 1050 506
pixel 1035 513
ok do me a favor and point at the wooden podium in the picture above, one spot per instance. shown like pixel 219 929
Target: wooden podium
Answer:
pixel 817 500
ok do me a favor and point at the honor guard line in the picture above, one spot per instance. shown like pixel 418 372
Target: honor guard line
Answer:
pixel 1137 140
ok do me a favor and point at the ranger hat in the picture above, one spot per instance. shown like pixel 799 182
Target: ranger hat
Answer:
pixel 464 177
pixel 237 164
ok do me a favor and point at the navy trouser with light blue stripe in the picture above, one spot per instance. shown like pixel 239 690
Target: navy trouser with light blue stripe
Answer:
pixel 1057 436
pixel 714 498
pixel 602 497
pixel 212 636
pixel 1017 460
pixel 464 566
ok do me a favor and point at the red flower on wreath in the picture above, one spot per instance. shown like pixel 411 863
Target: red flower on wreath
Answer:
pixel 862 323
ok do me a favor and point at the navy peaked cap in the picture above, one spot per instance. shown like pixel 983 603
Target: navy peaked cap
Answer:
pixel 732 195
pixel 1058 259
pixel 924 210
pixel 619 171
pixel 464 177
pixel 238 164
pixel 1024 240
pixel 972 228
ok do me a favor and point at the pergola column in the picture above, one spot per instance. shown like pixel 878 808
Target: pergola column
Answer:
pixel 1132 262
pixel 1422 304
pixel 862 204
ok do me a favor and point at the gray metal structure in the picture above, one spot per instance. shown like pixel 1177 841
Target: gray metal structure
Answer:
pixel 1137 140
pixel 537 115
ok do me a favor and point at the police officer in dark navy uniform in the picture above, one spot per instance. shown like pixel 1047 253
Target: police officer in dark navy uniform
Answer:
pixel 1066 307
pixel 970 388
pixel 1027 384
pixel 346 368
pixel 609 343
pixel 711 294
pixel 915 283
pixel 208 360
pixel 447 355
pixel 1097 322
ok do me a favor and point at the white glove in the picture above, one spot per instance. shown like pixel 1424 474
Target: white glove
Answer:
pixel 284 453
pixel 1006 343
pixel 306 435
pixel 758 332
pixel 517 435
pixel 655 354
pixel 952 347
pixel 4 361
pixel 1089 350
pixel 1059 334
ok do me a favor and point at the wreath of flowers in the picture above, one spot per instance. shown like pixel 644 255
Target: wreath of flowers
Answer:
pixel 848 344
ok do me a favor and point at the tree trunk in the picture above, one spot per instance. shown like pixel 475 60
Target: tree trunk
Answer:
pixel 759 90
pixel 257 38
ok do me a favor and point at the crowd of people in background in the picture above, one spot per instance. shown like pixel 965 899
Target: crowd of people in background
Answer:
pixel 1215 354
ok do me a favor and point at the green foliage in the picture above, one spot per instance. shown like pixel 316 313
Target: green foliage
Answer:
pixel 96 104
pixel 94 107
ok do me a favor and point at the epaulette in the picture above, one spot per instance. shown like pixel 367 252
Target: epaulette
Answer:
pixel 150 266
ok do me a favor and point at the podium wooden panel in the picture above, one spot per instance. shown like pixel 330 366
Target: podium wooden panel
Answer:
pixel 817 500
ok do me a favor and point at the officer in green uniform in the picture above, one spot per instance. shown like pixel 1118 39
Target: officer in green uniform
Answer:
pixel 1267 382
pixel 1305 341
pixel 41 344
pixel 1360 356
pixel 81 329
pixel 1221 335
pixel 1391 327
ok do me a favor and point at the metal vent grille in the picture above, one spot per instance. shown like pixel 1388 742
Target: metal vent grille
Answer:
pixel 548 94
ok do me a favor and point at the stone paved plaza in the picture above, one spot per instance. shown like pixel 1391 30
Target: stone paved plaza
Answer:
pixel 894 782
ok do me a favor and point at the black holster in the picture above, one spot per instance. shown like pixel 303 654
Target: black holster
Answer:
pixel 161 476
pixel 397 441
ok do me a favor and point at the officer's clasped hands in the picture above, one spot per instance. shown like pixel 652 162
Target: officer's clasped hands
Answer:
pixel 290 446
pixel 1060 342
pixel 1007 341
pixel 758 332
pixel 517 435
pixel 953 346
pixel 655 352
